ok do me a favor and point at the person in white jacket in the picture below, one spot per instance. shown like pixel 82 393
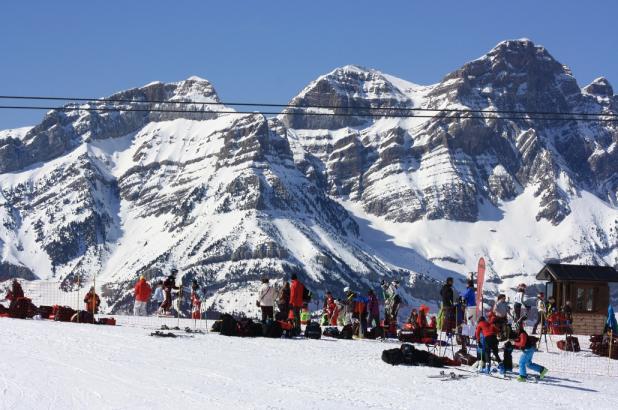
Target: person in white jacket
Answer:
pixel 519 300
pixel 158 296
pixel 266 300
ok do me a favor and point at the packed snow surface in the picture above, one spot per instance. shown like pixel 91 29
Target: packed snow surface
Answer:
pixel 75 366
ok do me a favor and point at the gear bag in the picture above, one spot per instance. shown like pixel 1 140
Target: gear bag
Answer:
pixel 313 330
pixel 393 357
pixel 272 329
pixel 229 325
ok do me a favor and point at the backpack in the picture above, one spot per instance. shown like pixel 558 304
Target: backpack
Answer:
pixel 531 341
pixel 409 354
pixel 216 326
pixel 62 313
pixel 82 316
pixel 393 357
pixel 347 332
pixel 22 308
pixel 571 344
pixel 229 325
pixel 45 311
pixel 331 332
pixel 248 328
pixel 313 330
pixel 272 329
pixel 408 336
pixel 307 295
pixel 376 332
pixel 465 358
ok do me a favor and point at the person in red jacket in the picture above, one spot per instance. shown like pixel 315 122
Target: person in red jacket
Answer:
pixel 296 300
pixel 490 342
pixel 528 346
pixel 142 293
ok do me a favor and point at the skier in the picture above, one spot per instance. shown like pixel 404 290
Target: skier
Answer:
pixel 92 301
pixel 168 285
pixel 551 306
pixel 158 296
pixel 142 293
pixel 296 301
pixel 196 301
pixel 489 332
pixel 330 310
pixel 446 317
pixel 348 302
pixel 266 300
pixel 528 346
pixel 283 301
pixel 470 303
pixel 392 301
pixel 423 310
pixel 540 307
pixel 519 300
pixel 360 313
pixel 413 319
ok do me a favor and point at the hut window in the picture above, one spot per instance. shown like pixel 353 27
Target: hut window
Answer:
pixel 584 301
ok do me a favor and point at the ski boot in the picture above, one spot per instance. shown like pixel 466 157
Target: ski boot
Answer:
pixel 486 369
pixel 521 379
pixel 501 369
pixel 543 373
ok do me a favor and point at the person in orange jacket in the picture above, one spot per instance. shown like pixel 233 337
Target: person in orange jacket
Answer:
pixel 142 293
pixel 92 301
pixel 296 300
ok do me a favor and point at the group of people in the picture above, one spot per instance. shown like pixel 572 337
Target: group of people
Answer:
pixel 163 296
pixel 492 326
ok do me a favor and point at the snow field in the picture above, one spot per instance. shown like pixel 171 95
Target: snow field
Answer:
pixel 71 366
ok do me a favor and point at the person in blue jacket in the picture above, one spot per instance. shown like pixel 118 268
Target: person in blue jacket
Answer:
pixel 470 300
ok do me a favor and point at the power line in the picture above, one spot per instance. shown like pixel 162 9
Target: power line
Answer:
pixel 298 106
pixel 441 115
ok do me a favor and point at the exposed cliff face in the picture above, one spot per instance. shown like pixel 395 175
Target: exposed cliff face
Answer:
pixel 343 199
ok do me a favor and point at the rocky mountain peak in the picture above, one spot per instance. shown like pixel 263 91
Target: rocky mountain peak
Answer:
pixel 600 87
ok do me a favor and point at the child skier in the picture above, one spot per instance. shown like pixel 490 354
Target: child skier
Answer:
pixel 158 296
pixel 528 346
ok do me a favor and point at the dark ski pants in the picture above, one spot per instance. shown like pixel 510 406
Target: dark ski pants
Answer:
pixel 537 323
pixel 284 309
pixel 517 307
pixel 491 346
pixel 296 311
pixel 267 313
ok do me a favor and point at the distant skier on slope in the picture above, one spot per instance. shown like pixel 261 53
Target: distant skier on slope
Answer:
pixel 142 293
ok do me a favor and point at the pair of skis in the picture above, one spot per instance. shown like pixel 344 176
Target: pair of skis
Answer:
pixel 444 376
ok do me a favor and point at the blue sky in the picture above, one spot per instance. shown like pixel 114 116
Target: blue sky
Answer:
pixel 267 51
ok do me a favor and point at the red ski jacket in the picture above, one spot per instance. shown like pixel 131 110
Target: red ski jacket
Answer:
pixel 487 328
pixel 142 291
pixel 296 294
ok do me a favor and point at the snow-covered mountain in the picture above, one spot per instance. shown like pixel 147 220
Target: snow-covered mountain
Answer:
pixel 343 200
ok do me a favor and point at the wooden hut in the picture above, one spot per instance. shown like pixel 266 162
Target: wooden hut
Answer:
pixel 586 287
